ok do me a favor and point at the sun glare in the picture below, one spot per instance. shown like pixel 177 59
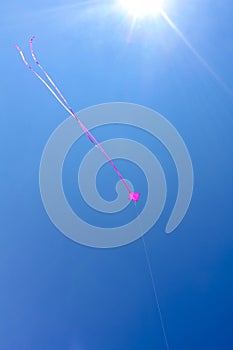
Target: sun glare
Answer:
pixel 142 8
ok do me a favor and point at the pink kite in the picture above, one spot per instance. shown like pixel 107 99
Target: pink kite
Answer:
pixel 133 196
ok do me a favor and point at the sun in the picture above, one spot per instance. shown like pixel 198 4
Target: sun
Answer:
pixel 142 8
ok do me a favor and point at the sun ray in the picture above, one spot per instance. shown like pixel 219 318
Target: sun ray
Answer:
pixel 196 53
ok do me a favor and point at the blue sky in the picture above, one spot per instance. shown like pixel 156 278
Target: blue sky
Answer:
pixel 57 294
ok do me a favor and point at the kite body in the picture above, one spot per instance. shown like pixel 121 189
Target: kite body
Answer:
pixel 134 196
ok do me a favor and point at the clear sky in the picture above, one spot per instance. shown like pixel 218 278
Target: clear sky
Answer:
pixel 57 294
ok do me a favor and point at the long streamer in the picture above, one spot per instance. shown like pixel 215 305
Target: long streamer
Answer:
pixel 134 196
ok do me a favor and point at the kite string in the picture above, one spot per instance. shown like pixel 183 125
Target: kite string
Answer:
pixel 155 292
pixel 153 284
pixel 65 105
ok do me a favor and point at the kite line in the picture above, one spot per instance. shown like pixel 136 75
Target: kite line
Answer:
pixel 134 196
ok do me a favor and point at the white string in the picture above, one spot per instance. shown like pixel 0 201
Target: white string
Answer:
pixel 154 286
pixel 155 292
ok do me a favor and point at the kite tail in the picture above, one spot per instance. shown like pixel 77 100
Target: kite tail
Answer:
pixel 45 73
pixel 64 102
pixel 44 82
pixel 66 106
pixel 56 87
